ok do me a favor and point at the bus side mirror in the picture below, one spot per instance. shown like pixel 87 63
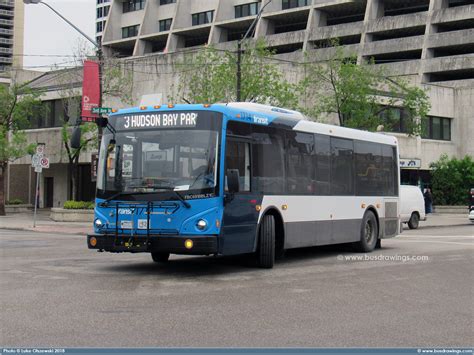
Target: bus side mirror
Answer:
pixel 233 180
pixel 76 137
pixel 102 122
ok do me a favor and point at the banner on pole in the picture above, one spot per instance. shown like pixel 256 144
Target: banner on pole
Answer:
pixel 90 90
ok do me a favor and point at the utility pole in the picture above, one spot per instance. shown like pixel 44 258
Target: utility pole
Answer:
pixel 239 51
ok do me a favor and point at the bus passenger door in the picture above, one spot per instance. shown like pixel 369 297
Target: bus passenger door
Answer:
pixel 239 224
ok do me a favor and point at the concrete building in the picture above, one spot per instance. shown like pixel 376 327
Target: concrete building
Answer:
pixel 62 90
pixel 12 19
pixel 429 42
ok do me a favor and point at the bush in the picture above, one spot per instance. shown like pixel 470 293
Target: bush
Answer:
pixel 452 180
pixel 15 201
pixel 79 205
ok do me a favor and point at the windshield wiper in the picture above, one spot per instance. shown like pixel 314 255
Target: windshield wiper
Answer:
pixel 160 187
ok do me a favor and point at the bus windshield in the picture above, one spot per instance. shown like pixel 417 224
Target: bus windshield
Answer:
pixel 158 160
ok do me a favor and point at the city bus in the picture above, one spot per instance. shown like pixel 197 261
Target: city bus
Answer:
pixel 240 178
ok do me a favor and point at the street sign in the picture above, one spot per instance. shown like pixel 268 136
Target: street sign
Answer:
pixel 38 169
pixel 44 162
pixel 101 110
pixel 35 160
pixel 40 149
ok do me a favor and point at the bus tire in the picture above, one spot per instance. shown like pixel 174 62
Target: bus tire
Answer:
pixel 266 242
pixel 160 257
pixel 369 233
pixel 414 221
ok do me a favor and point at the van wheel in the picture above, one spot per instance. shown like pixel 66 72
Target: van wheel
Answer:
pixel 414 221
pixel 369 233
pixel 266 243
pixel 160 257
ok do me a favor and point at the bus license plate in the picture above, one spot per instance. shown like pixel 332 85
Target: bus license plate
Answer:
pixel 126 224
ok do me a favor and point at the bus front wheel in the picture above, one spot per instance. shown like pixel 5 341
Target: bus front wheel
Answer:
pixel 160 257
pixel 266 243
pixel 369 233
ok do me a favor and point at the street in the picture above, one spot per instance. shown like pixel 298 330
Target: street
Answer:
pixel 416 292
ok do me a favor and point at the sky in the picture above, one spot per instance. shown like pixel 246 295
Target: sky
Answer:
pixel 47 36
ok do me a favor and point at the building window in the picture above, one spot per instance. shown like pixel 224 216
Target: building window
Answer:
pixel 130 31
pixel 165 25
pixel 244 10
pixel 106 10
pixel 102 2
pixel 438 128
pixel 133 5
pixel 202 18
pixel 100 26
pixel 289 4
pixel 166 2
pixel 395 119
pixel 100 12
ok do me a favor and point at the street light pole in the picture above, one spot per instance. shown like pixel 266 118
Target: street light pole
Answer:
pixel 239 51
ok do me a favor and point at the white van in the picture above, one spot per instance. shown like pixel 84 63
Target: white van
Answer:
pixel 412 206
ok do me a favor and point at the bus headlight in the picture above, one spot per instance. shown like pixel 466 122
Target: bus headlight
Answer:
pixel 98 223
pixel 201 224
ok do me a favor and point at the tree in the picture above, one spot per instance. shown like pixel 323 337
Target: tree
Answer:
pixel 452 180
pixel 212 78
pixel 88 140
pixel 362 95
pixel 17 105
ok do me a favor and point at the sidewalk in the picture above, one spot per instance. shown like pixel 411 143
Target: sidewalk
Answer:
pixel 24 221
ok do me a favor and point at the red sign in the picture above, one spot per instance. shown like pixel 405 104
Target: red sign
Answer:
pixel 90 90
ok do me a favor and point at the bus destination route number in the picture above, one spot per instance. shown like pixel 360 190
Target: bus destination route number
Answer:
pixel 160 120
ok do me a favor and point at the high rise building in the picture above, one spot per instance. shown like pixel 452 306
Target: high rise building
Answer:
pixel 11 36
pixel 102 12
pixel 431 38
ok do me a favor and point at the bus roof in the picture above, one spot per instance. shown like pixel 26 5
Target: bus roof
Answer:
pixel 274 116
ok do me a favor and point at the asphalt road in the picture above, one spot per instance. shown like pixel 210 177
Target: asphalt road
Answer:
pixel 54 292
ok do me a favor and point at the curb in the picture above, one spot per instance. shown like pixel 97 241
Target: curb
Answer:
pixel 40 231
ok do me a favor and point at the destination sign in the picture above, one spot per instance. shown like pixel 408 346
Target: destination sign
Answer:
pixel 159 120
pixel 166 120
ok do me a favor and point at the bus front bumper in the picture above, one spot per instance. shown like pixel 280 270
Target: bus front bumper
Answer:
pixel 174 244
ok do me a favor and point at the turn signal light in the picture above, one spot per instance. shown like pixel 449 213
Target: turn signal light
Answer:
pixel 188 244
pixel 170 105
pixel 207 105
pixel 157 107
pixel 143 107
pixel 93 242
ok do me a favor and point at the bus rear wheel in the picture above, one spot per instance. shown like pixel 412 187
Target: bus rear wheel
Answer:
pixel 369 233
pixel 160 257
pixel 266 243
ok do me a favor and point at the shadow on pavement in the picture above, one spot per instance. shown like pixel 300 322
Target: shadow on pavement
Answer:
pixel 187 266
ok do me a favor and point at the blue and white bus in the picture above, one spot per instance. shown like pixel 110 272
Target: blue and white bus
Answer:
pixel 240 178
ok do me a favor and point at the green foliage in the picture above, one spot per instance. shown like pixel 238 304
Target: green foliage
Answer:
pixel 15 201
pixel 17 105
pixel 78 205
pixel 452 180
pixel 360 93
pixel 214 79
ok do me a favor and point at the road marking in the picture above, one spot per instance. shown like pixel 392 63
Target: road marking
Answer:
pixel 422 236
pixel 436 241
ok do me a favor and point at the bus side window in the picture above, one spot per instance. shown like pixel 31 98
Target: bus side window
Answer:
pixel 322 164
pixel 237 156
pixel 299 153
pixel 342 172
